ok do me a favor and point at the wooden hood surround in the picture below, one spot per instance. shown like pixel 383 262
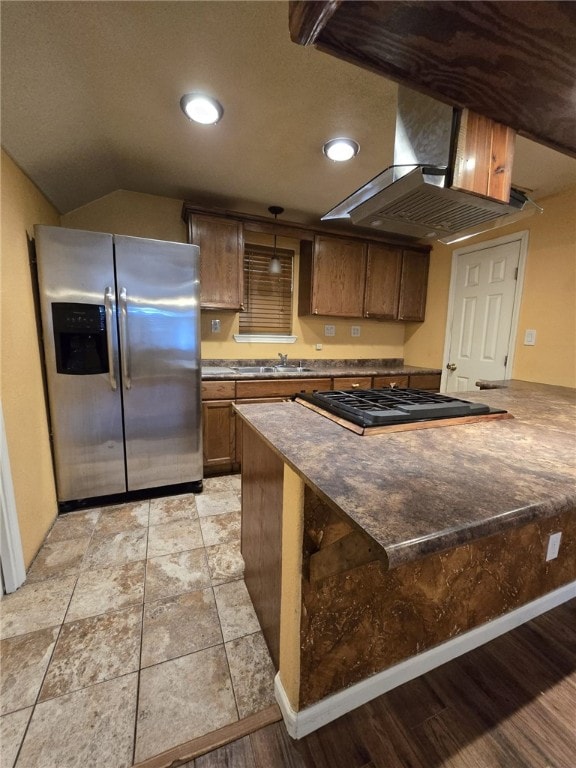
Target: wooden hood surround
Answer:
pixel 512 62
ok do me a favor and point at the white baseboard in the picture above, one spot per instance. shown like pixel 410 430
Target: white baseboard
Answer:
pixel 303 722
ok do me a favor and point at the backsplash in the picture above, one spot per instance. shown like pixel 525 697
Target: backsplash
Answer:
pixel 311 363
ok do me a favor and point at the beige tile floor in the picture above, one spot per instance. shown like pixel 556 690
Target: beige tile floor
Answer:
pixel 133 633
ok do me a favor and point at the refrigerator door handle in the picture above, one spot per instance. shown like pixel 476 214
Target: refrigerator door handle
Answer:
pixel 124 339
pixel 109 306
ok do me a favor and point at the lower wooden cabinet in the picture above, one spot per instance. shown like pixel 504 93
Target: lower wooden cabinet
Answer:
pixel 218 427
pixel 218 436
pixel 428 381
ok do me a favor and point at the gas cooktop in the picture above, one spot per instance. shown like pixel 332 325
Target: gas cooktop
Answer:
pixel 387 406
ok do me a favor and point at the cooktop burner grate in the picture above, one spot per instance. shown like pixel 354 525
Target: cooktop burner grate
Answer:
pixel 376 407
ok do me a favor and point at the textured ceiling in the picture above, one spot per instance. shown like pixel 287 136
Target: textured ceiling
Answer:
pixel 90 104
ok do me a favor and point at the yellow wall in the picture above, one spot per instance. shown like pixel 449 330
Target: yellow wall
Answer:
pixel 548 299
pixel 21 382
pixel 131 213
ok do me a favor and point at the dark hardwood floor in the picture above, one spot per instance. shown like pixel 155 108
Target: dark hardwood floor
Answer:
pixel 509 704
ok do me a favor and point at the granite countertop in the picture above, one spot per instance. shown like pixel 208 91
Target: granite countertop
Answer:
pixel 216 370
pixel 425 491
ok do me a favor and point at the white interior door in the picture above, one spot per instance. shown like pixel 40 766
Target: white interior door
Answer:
pixel 484 299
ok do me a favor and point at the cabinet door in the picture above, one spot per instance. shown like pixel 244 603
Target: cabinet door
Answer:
pixel 218 436
pixel 413 286
pixel 221 261
pixel 339 276
pixel 383 274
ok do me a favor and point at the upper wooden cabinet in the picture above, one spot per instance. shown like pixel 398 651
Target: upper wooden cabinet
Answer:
pixel 383 282
pixel 332 277
pixel 413 286
pixel 221 261
pixel 340 276
pixel 347 278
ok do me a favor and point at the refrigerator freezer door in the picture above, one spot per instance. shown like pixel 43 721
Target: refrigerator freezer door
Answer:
pixel 76 279
pixel 159 318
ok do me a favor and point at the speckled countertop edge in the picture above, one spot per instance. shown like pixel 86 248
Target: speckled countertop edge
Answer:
pixel 318 369
pixel 425 491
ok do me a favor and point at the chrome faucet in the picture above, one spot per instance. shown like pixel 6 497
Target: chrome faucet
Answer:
pixel 283 358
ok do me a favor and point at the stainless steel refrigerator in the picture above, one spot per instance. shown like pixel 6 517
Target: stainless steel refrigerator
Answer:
pixel 121 336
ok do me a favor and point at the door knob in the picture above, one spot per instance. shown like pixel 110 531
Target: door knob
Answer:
pixel 451 366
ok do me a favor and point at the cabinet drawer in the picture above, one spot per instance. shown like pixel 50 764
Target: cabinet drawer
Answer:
pixel 353 382
pixel 386 381
pixel 279 387
pixel 218 390
pixel 429 381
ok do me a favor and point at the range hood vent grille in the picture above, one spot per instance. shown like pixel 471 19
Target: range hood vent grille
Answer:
pixel 411 198
pixel 432 208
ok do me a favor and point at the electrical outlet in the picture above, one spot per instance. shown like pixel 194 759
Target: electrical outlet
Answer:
pixel 553 546
pixel 355 330
pixel 318 347
pixel 329 330
pixel 215 326
pixel 529 338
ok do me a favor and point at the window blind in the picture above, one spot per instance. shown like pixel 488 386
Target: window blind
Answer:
pixel 267 297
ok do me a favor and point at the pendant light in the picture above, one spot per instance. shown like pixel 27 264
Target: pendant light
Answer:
pixel 275 266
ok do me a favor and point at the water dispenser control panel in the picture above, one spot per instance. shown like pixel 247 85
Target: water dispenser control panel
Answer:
pixel 80 338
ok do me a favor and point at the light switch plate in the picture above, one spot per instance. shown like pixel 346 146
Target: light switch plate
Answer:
pixel 329 330
pixel 529 338
pixel 355 330
pixel 215 324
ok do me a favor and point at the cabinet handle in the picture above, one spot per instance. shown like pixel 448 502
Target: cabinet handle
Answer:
pixel 354 386
pixel 315 311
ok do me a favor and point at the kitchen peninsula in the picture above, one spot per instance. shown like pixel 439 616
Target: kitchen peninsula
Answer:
pixel 363 552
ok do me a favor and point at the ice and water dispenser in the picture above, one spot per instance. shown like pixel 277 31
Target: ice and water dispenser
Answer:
pixel 80 338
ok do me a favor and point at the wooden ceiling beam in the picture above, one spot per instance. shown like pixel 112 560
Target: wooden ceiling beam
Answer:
pixel 513 62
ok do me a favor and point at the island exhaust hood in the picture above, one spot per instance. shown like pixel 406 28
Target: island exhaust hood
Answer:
pixel 416 197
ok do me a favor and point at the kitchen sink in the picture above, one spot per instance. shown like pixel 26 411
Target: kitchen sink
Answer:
pixel 270 369
pixel 254 369
pixel 291 369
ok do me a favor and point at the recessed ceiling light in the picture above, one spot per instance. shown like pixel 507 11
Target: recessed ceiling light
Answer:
pixel 200 108
pixel 340 150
